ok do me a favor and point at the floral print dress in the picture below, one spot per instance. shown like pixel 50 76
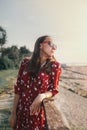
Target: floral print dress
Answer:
pixel 28 89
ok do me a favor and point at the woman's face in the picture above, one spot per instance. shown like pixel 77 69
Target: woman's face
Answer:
pixel 47 47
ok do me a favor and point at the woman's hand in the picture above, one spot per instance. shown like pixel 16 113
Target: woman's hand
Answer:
pixel 35 106
pixel 12 120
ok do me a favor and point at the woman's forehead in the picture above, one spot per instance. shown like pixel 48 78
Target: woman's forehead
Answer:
pixel 48 39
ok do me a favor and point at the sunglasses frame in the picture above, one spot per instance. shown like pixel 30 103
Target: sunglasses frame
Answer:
pixel 51 44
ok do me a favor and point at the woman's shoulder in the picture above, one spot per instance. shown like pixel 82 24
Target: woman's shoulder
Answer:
pixel 56 64
pixel 25 60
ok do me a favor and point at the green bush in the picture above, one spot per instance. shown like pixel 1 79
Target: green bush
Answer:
pixel 11 57
pixel 6 63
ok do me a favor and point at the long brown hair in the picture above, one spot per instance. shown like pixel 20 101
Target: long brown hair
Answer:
pixel 34 63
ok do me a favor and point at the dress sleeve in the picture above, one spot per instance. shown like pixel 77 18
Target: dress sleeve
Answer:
pixel 17 85
pixel 55 75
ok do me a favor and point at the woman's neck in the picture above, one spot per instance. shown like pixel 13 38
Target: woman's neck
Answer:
pixel 43 58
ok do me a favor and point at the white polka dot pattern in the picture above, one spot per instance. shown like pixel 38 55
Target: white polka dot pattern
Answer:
pixel 28 90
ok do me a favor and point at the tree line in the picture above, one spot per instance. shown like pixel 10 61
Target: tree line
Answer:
pixel 10 57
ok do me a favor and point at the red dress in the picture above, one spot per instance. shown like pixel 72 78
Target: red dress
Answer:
pixel 28 89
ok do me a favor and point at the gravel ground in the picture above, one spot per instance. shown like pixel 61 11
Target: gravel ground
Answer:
pixel 73 107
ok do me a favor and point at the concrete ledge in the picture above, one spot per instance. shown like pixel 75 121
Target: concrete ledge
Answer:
pixel 54 117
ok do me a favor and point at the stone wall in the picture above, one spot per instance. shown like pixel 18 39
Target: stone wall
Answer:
pixel 54 117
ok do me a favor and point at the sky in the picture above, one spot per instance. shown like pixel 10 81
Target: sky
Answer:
pixel 64 20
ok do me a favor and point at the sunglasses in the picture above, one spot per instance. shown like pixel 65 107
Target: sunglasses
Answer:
pixel 51 44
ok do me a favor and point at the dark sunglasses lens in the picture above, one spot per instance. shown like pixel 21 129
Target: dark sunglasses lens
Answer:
pixel 52 45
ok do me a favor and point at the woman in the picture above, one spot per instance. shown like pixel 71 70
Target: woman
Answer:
pixel 37 80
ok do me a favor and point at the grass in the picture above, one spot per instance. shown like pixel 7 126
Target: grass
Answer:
pixel 7 78
pixel 4 124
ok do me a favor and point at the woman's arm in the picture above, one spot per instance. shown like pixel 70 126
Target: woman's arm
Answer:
pixel 55 76
pixel 45 95
pixel 17 91
pixel 16 99
pixel 12 119
pixel 35 106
